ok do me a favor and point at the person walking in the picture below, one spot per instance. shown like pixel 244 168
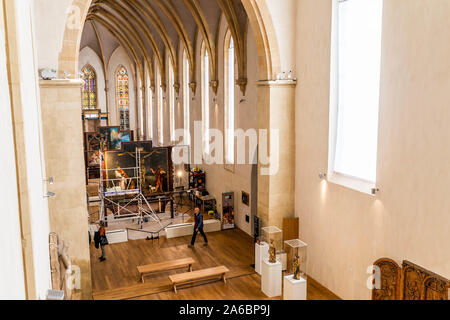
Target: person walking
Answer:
pixel 198 227
pixel 101 240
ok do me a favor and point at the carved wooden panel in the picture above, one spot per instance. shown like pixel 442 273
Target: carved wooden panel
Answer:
pixel 421 284
pixel 410 282
pixel 389 280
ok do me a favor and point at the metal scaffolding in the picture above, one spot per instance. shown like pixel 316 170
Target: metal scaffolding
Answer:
pixel 114 191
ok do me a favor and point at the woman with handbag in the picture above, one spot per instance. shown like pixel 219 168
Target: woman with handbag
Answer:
pixel 103 240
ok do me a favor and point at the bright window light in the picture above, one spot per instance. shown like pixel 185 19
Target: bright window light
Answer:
pixel 229 107
pixel 205 104
pixel 357 54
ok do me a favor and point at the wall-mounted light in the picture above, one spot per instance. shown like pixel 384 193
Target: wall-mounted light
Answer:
pixel 50 181
pixel 322 176
pixel 374 191
pixel 50 195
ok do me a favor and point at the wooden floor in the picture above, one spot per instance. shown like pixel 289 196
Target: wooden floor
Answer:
pixel 117 278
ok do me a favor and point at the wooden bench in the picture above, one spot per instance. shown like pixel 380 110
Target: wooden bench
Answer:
pixel 205 274
pixel 164 266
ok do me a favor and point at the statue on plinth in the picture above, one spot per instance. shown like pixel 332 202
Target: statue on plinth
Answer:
pixel 296 267
pixel 272 252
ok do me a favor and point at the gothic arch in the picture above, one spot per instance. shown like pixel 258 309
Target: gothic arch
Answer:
pixel 257 12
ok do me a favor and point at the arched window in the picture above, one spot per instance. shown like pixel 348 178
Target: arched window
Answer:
pixel 160 107
pixel 123 97
pixel 171 102
pixel 89 90
pixel 150 110
pixel 229 73
pixel 205 99
pixel 186 98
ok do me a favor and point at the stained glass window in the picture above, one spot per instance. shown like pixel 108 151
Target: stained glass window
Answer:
pixel 89 90
pixel 123 97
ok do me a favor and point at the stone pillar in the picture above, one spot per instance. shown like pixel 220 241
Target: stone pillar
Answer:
pixel 107 99
pixel 64 160
pixel 276 102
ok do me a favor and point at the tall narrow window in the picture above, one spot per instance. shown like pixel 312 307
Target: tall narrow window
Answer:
pixel 172 101
pixel 229 99
pixel 355 88
pixel 186 99
pixel 205 99
pixel 150 111
pixel 89 89
pixel 160 108
pixel 123 97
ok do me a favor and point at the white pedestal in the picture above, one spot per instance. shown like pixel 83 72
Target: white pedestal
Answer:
pixel 117 236
pixel 186 229
pixel 282 258
pixel 294 289
pixel 271 279
pixel 261 254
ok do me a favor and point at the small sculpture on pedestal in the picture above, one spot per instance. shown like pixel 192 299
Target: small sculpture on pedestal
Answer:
pixel 296 267
pixel 272 252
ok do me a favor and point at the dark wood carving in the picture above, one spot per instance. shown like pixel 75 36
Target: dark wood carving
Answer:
pixel 421 284
pixel 410 282
pixel 388 287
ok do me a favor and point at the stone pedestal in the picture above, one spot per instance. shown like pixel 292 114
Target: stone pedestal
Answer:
pixel 271 279
pixel 261 254
pixel 294 289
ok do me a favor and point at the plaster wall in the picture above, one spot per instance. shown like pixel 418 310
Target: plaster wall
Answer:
pixel 12 284
pixel 219 178
pixel 29 153
pixel 347 230
pixel 50 16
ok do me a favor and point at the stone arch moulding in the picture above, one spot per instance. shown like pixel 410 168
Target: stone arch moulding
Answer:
pixel 266 41
pixel 68 56
pixel 259 18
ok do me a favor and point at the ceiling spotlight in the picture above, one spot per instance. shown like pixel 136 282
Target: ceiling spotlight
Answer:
pixel 50 195
pixel 322 176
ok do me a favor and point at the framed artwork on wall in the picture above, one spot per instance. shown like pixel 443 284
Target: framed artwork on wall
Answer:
pixel 245 198
pixel 109 136
pixel 93 141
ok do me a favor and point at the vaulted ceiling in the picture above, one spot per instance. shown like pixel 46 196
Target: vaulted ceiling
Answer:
pixel 152 31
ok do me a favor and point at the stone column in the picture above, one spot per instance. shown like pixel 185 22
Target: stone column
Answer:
pixel 276 102
pixel 64 160
pixel 107 100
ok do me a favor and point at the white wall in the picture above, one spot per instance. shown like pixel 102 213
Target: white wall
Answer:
pixel 12 284
pixel 50 17
pixel 409 219
pixel 23 161
pixel 283 14
pixel 219 179
pixel 118 58
pixel 88 56
pixel 33 148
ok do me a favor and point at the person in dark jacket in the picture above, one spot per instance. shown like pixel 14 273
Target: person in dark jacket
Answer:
pixel 198 227
pixel 103 241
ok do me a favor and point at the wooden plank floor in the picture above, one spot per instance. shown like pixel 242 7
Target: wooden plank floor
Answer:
pixel 117 278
